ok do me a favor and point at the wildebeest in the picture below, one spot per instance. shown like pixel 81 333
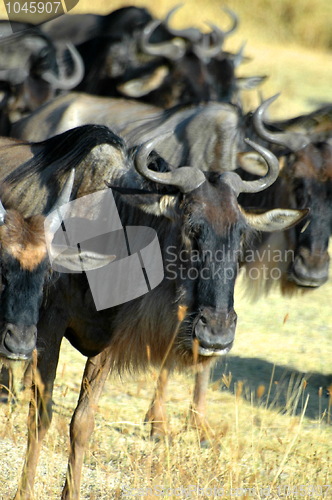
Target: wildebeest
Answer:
pixel 22 214
pixel 304 181
pixel 295 260
pixel 194 214
pixel 128 53
pixel 33 68
pixel 207 135
pixel 24 271
pixel 78 108
pixel 107 44
pixel 315 122
pixel 190 69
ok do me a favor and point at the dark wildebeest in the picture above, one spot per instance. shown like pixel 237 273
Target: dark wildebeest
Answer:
pixel 296 260
pixel 190 68
pixel 129 54
pixel 107 44
pixel 32 68
pixel 24 259
pixel 304 181
pixel 192 213
pixel 25 269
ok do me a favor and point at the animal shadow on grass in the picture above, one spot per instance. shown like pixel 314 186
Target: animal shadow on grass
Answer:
pixel 276 387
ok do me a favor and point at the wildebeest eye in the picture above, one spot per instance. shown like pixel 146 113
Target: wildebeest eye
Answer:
pixel 48 275
pixel 195 231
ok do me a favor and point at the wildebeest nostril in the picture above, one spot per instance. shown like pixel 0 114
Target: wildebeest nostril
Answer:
pixel 20 341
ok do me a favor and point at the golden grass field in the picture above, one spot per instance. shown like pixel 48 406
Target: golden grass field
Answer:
pixel 269 409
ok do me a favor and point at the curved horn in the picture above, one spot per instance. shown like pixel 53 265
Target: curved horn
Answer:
pixel 65 193
pixel 2 214
pixel 238 58
pixel 217 37
pixel 186 179
pixel 173 49
pixel 292 141
pixel 240 186
pixel 64 82
pixel 191 34
pixel 63 198
pixel 235 20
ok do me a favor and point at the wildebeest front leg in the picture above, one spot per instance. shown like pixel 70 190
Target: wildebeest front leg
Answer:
pixel 82 423
pixel 156 414
pixel 39 420
pixel 198 408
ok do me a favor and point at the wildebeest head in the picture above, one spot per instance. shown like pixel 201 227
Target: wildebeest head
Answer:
pixel 33 68
pixel 202 244
pixel 306 182
pixel 308 174
pixel 188 67
pixel 24 268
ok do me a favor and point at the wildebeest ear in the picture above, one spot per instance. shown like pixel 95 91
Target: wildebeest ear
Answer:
pixel 277 219
pixel 138 87
pixel 147 201
pixel 252 162
pixel 86 260
pixel 249 82
pixel 154 203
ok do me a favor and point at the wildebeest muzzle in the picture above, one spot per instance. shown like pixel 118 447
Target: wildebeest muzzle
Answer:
pixel 310 269
pixel 214 331
pixel 17 342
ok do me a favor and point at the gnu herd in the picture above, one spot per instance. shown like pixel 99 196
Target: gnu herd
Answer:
pixel 124 102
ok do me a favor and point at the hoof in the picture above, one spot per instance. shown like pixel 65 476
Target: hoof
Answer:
pixel 161 437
